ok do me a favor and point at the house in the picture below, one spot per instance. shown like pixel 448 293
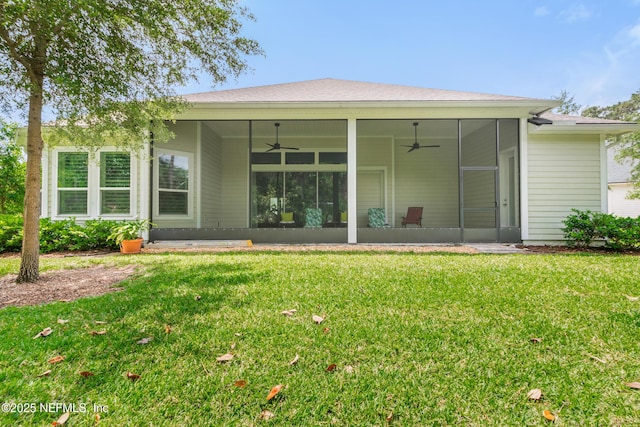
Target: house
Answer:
pixel 336 161
pixel 620 185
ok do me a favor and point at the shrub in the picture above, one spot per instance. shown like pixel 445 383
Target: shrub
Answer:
pixel 56 236
pixel 583 227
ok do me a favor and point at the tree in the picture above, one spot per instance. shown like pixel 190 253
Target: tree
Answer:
pixel 628 111
pixel 107 69
pixel 12 170
pixel 568 105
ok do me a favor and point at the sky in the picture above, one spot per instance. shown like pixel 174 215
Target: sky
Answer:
pixel 589 48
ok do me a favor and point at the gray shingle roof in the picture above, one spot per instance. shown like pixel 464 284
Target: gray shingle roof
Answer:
pixel 579 120
pixel 334 90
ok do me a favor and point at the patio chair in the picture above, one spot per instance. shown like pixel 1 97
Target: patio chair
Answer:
pixel 312 218
pixel 377 218
pixel 287 219
pixel 414 216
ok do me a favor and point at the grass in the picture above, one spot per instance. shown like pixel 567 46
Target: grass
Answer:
pixel 432 339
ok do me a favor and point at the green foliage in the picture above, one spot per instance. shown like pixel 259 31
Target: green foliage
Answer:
pixel 568 105
pixel 57 236
pixel 12 170
pixel 629 144
pixel 433 339
pixel 583 227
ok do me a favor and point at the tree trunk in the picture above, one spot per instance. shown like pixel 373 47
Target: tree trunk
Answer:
pixel 30 264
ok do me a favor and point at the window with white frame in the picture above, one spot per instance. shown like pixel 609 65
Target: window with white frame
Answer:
pixel 173 176
pixel 115 183
pixel 73 183
pixel 93 187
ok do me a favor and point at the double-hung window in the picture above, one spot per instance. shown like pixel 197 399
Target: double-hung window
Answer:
pixel 94 186
pixel 174 183
pixel 73 183
pixel 115 183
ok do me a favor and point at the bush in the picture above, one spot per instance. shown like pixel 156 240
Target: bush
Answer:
pixel 583 227
pixel 57 236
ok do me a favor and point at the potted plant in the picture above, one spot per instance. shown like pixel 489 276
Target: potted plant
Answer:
pixel 129 235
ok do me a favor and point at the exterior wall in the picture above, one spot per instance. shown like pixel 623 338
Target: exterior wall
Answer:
pixel 619 205
pixel 186 142
pixel 564 172
pixel 210 163
pixel 235 192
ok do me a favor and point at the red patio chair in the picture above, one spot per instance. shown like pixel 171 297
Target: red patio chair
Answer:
pixel 414 216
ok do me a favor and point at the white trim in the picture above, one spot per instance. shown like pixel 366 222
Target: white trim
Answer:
pixel 524 180
pixel 44 190
pixel 198 180
pixel 156 185
pixel 93 184
pixel 604 178
pixel 352 171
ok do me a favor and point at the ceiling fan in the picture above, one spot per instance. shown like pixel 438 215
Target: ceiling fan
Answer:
pixel 416 145
pixel 277 145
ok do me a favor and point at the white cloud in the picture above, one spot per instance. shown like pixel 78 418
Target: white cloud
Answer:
pixel 542 11
pixel 576 13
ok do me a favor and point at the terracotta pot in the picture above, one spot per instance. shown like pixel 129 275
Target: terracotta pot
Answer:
pixel 131 246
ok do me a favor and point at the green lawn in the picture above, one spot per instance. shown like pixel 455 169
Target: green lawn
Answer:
pixel 421 339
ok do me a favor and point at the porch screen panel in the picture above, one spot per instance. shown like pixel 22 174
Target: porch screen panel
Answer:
pixel 115 183
pixel 173 184
pixel 73 180
pixel 478 143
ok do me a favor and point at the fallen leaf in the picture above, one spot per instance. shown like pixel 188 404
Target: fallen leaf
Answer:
pixel 45 373
pixel 99 322
pixel 289 313
pixel 56 359
pixel 275 390
pixel 238 334
pixel 317 319
pixel 548 415
pixel 145 341
pixel 326 331
pixel 63 321
pixel 240 383
pixel 266 415
pixel 97 418
pixel 390 417
pixel 43 333
pixel 331 367
pixel 348 369
pixel 536 340
pixel 132 376
pixel 198 298
pixel 225 358
pixel 295 360
pixel 86 374
pixel 535 394
pixel 102 332
pixel 630 298
pixel 167 328
pixel 635 385
pixel 63 419
pixel 597 359
pixel 233 346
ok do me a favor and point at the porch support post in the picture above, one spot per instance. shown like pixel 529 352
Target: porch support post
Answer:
pixel 352 170
pixel 524 180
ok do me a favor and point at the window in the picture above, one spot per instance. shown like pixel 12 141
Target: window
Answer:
pixel 73 183
pixel 94 185
pixel 115 183
pixel 174 184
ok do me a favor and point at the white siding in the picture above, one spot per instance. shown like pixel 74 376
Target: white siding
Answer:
pixel 564 173
pixel 235 175
pixel 619 204
pixel 211 184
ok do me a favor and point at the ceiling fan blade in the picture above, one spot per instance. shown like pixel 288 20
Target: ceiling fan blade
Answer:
pixel 429 146
pixel 411 149
pixel 289 148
